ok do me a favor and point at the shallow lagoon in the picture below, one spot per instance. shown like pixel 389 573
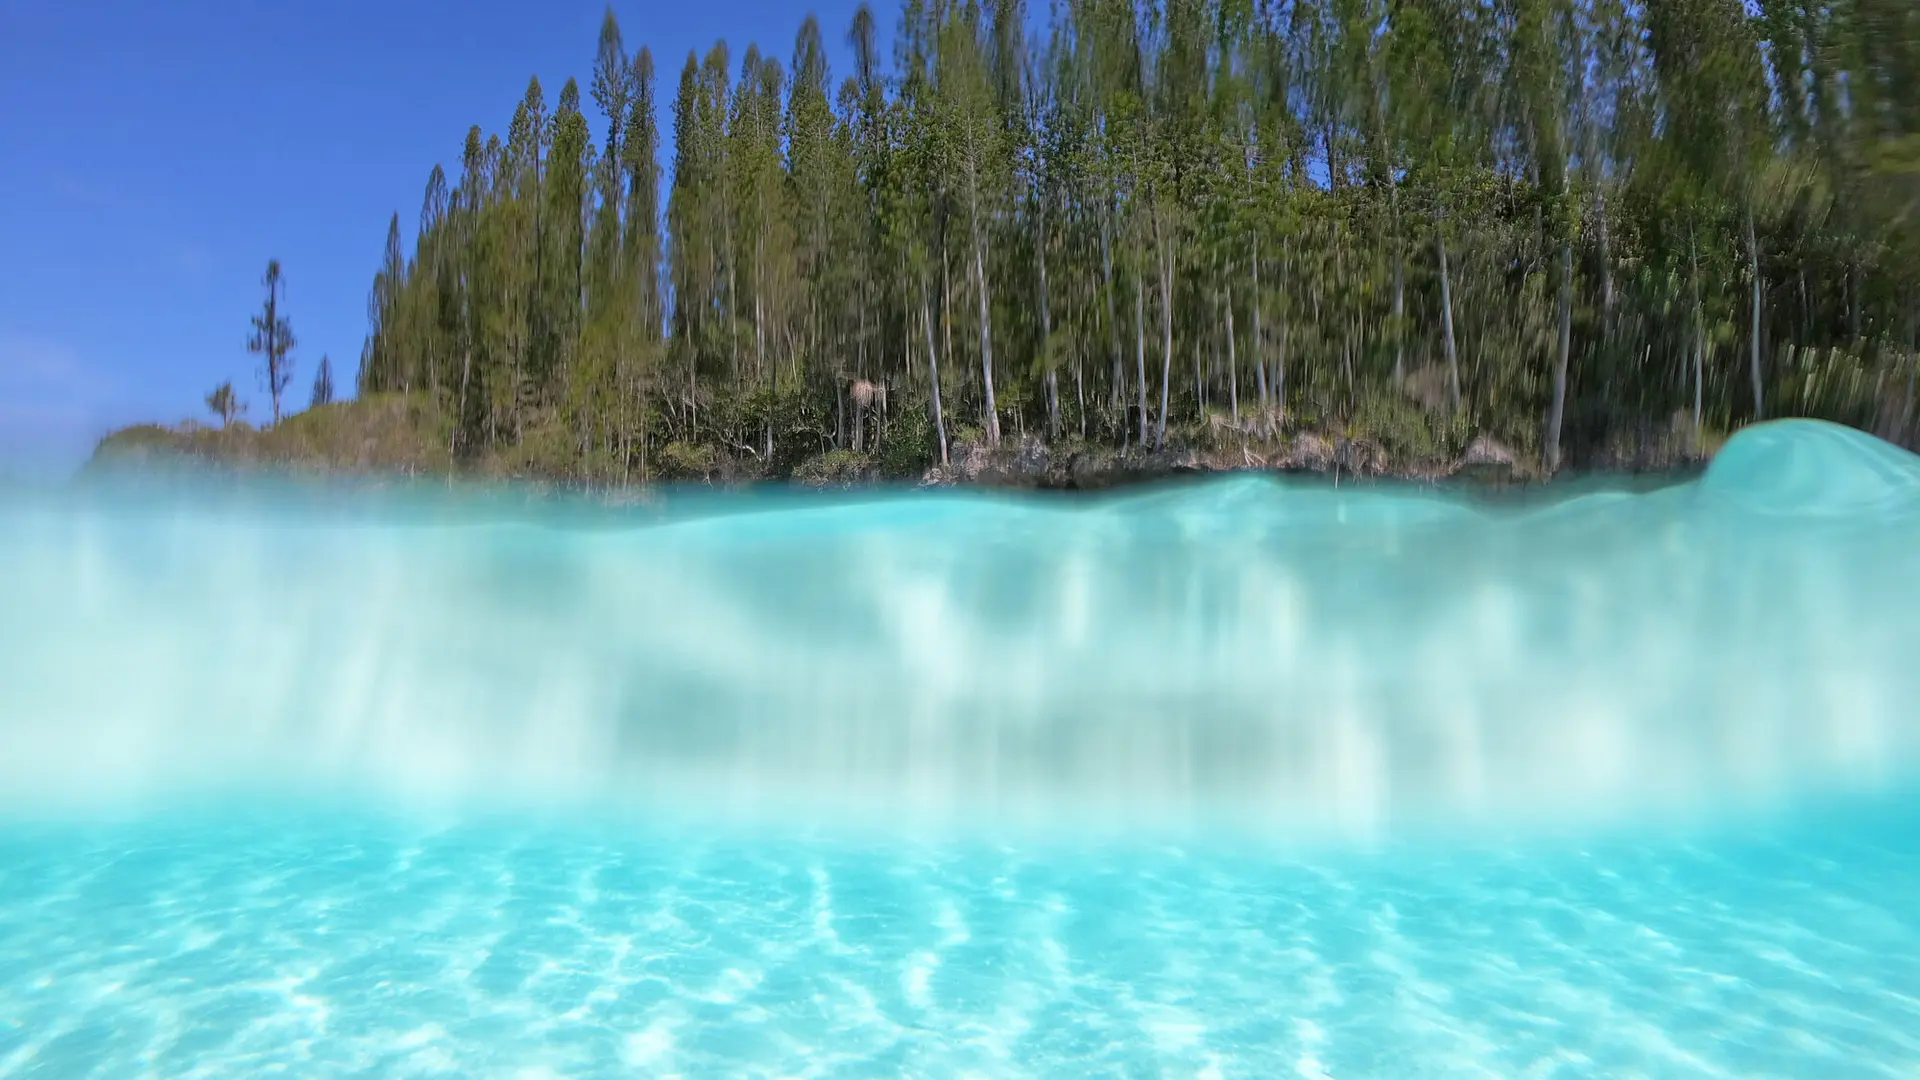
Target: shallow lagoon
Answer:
pixel 1238 778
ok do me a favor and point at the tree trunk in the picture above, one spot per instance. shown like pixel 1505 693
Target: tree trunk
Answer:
pixel 1046 315
pixel 1806 306
pixel 1233 365
pixel 1046 340
pixel 1557 410
pixel 1346 329
pixel 1259 341
pixel 1166 338
pixel 1913 370
pixel 946 305
pixel 273 350
pixel 1280 370
pixel 906 333
pixel 1080 395
pixel 1399 314
pixel 933 373
pixel 460 418
pixel 1853 301
pixel 1113 326
pixel 1286 336
pixel 1140 343
pixel 1753 258
pixel 733 335
pixel 986 322
pixel 1699 341
pixel 1446 319
pixel 1606 268
pixel 1199 381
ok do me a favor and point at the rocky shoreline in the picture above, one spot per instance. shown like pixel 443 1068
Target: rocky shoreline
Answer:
pixel 382 442
pixel 1031 463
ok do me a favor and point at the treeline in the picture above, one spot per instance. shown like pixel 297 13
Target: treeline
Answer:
pixel 1575 225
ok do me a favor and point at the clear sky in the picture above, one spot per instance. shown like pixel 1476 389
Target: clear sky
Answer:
pixel 153 156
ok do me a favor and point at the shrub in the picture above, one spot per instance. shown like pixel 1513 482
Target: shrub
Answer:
pixel 685 461
pixel 835 468
pixel 910 447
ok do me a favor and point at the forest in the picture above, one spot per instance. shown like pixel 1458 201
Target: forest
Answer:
pixel 1582 228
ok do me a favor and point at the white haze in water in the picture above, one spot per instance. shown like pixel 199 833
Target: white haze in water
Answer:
pixel 1281 657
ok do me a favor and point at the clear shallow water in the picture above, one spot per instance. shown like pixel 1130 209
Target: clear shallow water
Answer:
pixel 1236 778
pixel 336 946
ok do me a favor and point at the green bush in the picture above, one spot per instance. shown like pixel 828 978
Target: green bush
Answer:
pixel 835 468
pixel 685 461
pixel 1408 431
pixel 1828 384
pixel 910 446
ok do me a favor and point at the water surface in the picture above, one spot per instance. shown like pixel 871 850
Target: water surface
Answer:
pixel 1238 778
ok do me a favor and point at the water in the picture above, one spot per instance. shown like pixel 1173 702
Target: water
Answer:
pixel 1230 779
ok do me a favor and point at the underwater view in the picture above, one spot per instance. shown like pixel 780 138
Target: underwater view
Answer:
pixel 960 540
pixel 1246 777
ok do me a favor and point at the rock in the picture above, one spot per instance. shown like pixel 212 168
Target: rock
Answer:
pixel 1485 450
pixel 967 461
pixel 1487 460
pixel 1091 469
pixel 1028 460
pixel 1362 457
pixel 1022 462
pixel 1184 461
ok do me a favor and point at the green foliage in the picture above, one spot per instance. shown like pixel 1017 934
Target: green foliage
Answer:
pixel 222 402
pixel 835 468
pixel 1410 433
pixel 547 448
pixel 1832 384
pixel 686 461
pixel 322 383
pixel 273 339
pixel 1561 223
pixel 388 433
pixel 908 447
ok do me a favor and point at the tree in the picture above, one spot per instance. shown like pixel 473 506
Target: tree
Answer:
pixel 380 359
pixel 273 339
pixel 1561 224
pixel 973 141
pixel 222 402
pixel 322 383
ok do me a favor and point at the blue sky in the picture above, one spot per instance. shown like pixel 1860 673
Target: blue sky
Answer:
pixel 153 156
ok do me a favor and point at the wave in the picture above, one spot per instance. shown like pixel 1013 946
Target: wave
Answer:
pixel 1281 655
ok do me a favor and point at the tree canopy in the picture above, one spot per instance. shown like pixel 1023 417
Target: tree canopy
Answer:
pixel 1575 225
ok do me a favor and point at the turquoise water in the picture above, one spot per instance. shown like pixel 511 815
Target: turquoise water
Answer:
pixel 1229 779
pixel 340 946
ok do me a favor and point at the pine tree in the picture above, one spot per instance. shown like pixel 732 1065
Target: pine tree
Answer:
pixel 223 404
pixel 641 144
pixel 1577 227
pixel 273 339
pixel 382 358
pixel 322 383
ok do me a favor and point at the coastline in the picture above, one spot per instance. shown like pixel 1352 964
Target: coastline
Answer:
pixel 392 439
